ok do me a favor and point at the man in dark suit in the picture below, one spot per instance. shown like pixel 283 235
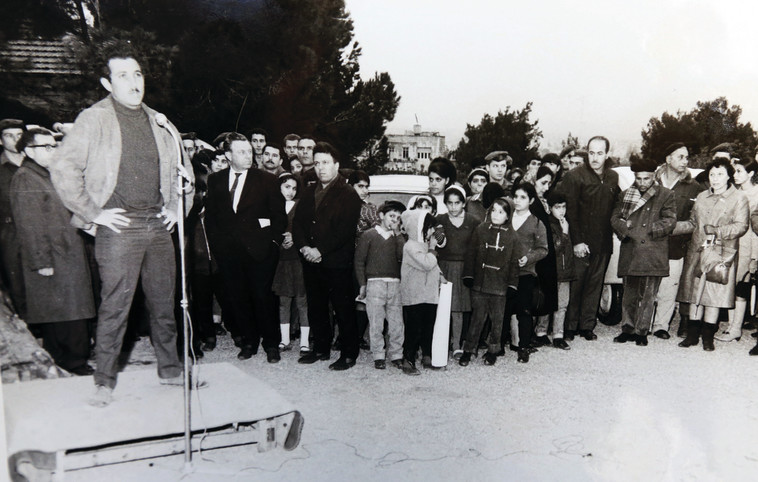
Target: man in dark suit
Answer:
pixel 245 220
pixel 324 232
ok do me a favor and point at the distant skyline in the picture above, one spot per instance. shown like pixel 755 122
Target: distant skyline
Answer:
pixel 589 67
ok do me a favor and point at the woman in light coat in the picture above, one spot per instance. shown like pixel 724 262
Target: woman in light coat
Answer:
pixel 721 213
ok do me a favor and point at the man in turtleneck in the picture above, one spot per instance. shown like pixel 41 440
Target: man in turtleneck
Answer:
pixel 116 172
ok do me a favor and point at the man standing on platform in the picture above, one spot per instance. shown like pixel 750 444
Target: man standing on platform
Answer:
pixel 117 172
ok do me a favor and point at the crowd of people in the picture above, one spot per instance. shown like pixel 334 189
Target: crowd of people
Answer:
pixel 285 246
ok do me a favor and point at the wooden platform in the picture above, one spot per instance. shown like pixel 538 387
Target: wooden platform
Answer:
pixel 146 419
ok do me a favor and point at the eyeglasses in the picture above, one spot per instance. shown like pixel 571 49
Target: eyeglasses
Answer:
pixel 47 147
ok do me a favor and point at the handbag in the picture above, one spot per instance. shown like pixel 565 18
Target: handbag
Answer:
pixel 716 260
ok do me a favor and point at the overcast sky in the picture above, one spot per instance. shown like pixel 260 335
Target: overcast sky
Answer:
pixel 590 67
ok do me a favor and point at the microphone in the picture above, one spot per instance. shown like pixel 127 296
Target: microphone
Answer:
pixel 162 121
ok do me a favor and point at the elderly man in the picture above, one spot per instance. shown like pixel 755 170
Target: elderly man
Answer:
pixel 10 252
pixel 116 171
pixel 674 175
pixel 643 218
pixel 590 191
pixel 323 230
pixel 56 271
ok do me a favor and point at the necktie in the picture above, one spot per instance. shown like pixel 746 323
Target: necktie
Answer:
pixel 233 190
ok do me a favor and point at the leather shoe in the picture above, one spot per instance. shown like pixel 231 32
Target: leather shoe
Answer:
pixel 541 341
pixel 380 364
pixel 209 345
pixel 561 343
pixel 312 357
pixel 623 338
pixel 490 358
pixel 523 356
pixel 465 359
pixel 588 335
pixel 342 363
pixel 246 352
pixel 397 363
pixel 662 334
pixel 272 355
pixel 641 340
pixel 569 335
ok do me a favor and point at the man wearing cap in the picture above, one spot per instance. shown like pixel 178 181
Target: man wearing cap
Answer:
pixel 674 175
pixel 497 164
pixel 590 191
pixel 643 218
pixel 10 160
pixel 117 172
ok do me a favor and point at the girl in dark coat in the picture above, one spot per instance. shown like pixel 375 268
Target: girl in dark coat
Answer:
pixel 546 267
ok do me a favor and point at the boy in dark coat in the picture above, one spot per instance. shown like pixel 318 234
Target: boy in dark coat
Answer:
pixel 643 218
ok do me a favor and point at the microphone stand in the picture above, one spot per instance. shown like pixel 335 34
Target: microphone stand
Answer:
pixel 184 303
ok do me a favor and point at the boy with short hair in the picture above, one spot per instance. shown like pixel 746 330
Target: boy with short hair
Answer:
pixel 564 260
pixel 377 268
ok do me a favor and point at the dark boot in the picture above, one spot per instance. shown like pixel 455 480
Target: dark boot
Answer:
pixel 683 321
pixel 708 330
pixel 754 351
pixel 693 334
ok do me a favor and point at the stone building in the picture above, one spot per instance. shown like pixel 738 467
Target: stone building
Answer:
pixel 413 150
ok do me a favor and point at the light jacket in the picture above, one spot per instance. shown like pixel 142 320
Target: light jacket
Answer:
pixel 420 275
pixel 85 170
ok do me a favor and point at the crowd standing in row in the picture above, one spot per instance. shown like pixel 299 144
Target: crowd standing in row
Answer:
pixel 287 243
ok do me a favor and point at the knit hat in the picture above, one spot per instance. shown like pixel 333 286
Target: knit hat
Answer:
pixel 478 171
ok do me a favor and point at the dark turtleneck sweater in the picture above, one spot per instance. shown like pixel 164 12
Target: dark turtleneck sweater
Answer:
pixel 138 183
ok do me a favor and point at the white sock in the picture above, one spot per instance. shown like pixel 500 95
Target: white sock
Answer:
pixel 285 329
pixel 304 332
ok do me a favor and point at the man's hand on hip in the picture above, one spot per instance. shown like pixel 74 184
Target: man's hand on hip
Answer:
pixel 169 218
pixel 112 218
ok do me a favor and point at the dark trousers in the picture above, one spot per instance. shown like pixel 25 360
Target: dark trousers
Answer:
pixel 419 328
pixel 521 305
pixel 247 284
pixel 67 342
pixel 485 305
pixel 143 250
pixel 638 305
pixel 12 272
pixel 585 291
pixel 203 287
pixel 335 285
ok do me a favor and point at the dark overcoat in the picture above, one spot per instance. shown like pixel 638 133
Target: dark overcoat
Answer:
pixel 644 235
pixel 547 275
pixel 48 239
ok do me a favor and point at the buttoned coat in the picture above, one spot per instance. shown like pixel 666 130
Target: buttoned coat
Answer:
pixel 730 214
pixel 330 227
pixel 48 240
pixel 644 235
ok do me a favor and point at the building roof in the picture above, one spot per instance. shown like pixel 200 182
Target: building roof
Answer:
pixel 38 57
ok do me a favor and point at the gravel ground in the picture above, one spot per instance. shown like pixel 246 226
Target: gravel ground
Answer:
pixel 601 411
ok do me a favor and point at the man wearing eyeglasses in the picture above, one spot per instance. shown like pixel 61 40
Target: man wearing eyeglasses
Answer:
pixel 10 254
pixel 117 172
pixel 55 269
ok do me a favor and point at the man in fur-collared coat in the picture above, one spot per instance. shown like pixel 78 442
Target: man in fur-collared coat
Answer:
pixel 643 218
